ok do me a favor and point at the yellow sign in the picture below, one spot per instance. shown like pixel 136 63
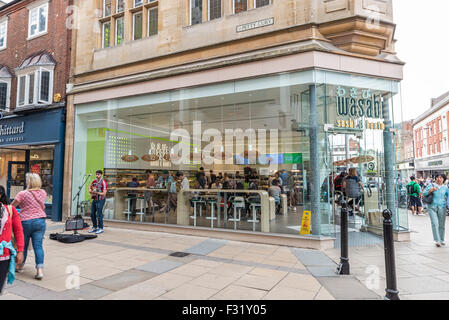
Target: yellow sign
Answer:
pixel 305 225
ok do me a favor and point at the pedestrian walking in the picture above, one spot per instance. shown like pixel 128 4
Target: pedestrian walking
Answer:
pixel 32 215
pixel 10 222
pixel 97 190
pixel 437 208
pixel 414 193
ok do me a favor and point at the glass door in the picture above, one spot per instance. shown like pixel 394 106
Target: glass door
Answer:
pixel 16 178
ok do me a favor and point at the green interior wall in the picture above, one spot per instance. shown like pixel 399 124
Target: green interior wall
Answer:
pixel 94 154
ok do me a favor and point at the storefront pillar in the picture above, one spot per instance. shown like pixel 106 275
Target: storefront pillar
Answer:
pixel 57 181
pixel 314 163
pixel 389 159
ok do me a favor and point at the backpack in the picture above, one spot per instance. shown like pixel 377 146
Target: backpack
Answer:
pixel 411 189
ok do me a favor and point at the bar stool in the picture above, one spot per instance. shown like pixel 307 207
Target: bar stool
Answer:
pixel 195 201
pixel 238 203
pixel 128 210
pixel 254 204
pixel 213 202
pixel 143 206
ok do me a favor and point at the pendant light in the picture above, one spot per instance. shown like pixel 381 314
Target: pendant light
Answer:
pixel 130 157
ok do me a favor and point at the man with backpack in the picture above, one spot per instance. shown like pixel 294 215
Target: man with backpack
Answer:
pixel 414 192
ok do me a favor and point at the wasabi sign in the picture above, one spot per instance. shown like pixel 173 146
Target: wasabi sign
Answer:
pixel 360 109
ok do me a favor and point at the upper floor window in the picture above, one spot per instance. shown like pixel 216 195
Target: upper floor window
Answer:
pixel 240 5
pixel 152 21
pixel 35 80
pixel 120 6
pixel 137 3
pixel 3 34
pixel 137 26
pixel 196 11
pixel 107 8
pixel 214 9
pixel 119 30
pixel 5 88
pixel 106 35
pixel 261 3
pixel 38 20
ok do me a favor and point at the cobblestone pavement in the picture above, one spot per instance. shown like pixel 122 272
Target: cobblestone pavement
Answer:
pixel 129 264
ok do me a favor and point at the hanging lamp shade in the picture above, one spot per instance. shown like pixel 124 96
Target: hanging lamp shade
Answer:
pixel 150 157
pixel 361 159
pixel 130 158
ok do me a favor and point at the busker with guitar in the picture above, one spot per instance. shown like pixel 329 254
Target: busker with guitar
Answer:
pixel 97 190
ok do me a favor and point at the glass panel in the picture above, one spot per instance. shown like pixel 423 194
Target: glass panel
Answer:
pixel 3 95
pixel 214 9
pixel 240 5
pixel 33 21
pixel 45 86
pixel 106 34
pixel 120 5
pixel 31 88
pixel 41 162
pixel 261 3
pixel 22 90
pixel 119 24
pixel 152 21
pixel 16 179
pixel 107 8
pixel 137 3
pixel 137 19
pixel 196 13
pixel 43 18
pixel 2 35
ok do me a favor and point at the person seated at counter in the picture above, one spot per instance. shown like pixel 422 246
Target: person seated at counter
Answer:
pixel 237 175
pixel 216 184
pixel 151 183
pixel 213 177
pixel 133 184
pixel 275 191
pixel 162 183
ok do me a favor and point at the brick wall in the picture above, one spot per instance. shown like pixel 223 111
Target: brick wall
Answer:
pixel 56 42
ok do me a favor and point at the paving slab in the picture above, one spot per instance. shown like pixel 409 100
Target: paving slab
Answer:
pixel 124 279
pixel 312 257
pixel 419 285
pixel 207 246
pixel 347 288
pixel 86 292
pixel 159 266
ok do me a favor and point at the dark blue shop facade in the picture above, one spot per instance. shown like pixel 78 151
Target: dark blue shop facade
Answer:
pixel 34 142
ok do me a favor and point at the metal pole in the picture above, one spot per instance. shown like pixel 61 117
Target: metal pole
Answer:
pixel 315 162
pixel 343 268
pixel 390 267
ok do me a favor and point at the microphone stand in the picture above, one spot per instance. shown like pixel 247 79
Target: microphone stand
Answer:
pixel 77 196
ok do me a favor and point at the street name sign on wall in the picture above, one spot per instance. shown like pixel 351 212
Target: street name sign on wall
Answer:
pixel 255 25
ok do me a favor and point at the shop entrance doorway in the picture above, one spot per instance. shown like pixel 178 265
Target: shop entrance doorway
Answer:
pixel 16 178
pixel 347 155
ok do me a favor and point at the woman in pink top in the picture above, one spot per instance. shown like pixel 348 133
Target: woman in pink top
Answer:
pixel 32 214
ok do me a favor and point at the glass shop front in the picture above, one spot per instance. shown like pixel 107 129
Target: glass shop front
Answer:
pixel 270 149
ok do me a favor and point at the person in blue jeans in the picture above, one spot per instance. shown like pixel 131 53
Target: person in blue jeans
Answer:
pixel 97 190
pixel 32 214
pixel 437 209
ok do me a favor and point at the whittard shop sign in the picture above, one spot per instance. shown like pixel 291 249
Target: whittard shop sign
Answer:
pixel 12 133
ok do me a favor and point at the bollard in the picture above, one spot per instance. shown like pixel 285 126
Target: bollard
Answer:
pixel 343 268
pixel 390 267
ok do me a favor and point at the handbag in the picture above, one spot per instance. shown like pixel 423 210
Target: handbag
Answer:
pixel 428 199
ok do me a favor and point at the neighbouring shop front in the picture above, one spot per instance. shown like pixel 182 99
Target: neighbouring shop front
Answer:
pixel 313 124
pixel 34 142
